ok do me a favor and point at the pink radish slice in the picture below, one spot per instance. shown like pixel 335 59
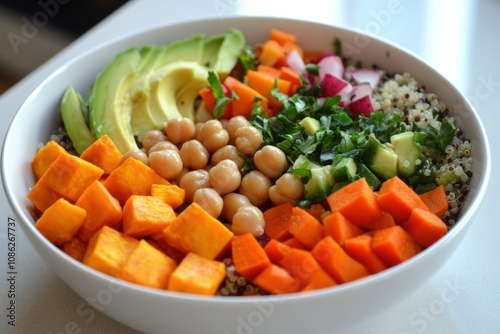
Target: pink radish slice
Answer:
pixel 295 62
pixel 363 76
pixel 331 86
pixel 332 65
pixel 359 91
pixel 362 106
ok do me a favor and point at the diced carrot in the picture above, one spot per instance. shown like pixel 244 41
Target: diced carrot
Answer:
pixel 277 221
pixel 264 84
pixel 281 36
pixel 316 210
pixel 436 200
pixel 290 75
pixel 209 100
pixel 425 227
pixel 305 269
pixel 104 154
pixel 295 243
pixel 272 72
pixel 319 280
pixel 360 249
pixel 75 248
pixel 271 53
pixel 196 231
pixel 171 252
pixel 198 275
pixel 340 228
pixel 147 266
pixel 394 245
pixel 42 195
pixel 335 261
pixel 289 47
pixel 171 194
pixel 357 202
pixel 276 280
pixel 102 209
pixel 383 221
pixel 108 250
pixel 69 176
pixel 398 199
pixel 249 257
pixel 132 177
pixel 312 56
pixel 45 157
pixel 60 222
pixel 276 250
pixel 146 215
pixel 247 97
pixel 305 228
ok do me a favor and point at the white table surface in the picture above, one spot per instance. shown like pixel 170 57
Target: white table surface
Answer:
pixel 459 38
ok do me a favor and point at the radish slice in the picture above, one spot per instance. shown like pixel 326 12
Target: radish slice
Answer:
pixel 366 76
pixel 360 91
pixel 362 106
pixel 295 62
pixel 332 65
pixel 324 55
pixel 331 86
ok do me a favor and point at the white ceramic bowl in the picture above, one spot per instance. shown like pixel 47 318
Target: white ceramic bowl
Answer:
pixel 155 311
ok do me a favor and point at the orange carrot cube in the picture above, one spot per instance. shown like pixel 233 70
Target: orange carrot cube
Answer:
pixel 104 154
pixel 171 194
pixel 45 157
pixel 75 248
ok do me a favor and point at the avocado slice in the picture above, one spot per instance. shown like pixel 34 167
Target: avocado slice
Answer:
pixel 74 120
pixel 311 125
pixel 108 96
pixel 229 51
pixel 211 48
pixel 381 160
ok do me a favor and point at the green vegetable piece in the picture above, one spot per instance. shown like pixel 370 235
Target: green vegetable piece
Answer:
pixel 344 170
pixel 381 160
pixel 408 152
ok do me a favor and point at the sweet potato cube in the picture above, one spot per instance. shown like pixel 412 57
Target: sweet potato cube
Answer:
pixel 75 248
pixel 132 177
pixel 276 280
pixel 69 176
pixel 146 215
pixel 147 266
pixel 196 231
pixel 60 222
pixel 108 250
pixel 171 194
pixel 42 196
pixel 197 274
pixel 104 154
pixel 102 209
pixel 45 157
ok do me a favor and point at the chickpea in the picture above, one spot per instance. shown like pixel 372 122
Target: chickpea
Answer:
pixel 271 161
pixel 248 219
pixel 193 154
pixel 152 137
pixel 234 124
pixel 255 185
pixel 210 200
pixel 180 130
pixel 276 197
pixel 290 186
pixel 138 154
pixel 228 152
pixel 197 127
pixel 193 181
pixel 184 170
pixel 166 163
pixel 163 145
pixel 212 135
pixel 225 177
pixel 248 140
pixel 232 202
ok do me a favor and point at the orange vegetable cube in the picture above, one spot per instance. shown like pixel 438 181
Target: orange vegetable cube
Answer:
pixel 108 250
pixel 45 157
pixel 75 248
pixel 272 72
pixel 102 209
pixel 69 176
pixel 278 219
pixel 305 228
pixel 172 194
pixel 316 210
pixel 132 177
pixel 394 245
pixel 357 202
pixel 294 243
pixel 42 196
pixel 247 98
pixel 335 261
pixel 272 54
pixel 383 221
pixel 282 37
pixel 194 230
pixel 340 228
pixel 425 227
pixel 436 200
pixel 147 266
pixel 104 154
pixel 60 222
pixel 263 84
pixel 146 215
pixel 197 274
pixel 360 249
pixel 276 280
pixel 249 257
pixel 276 250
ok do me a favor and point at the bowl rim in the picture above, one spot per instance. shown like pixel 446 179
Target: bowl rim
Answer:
pixel 463 221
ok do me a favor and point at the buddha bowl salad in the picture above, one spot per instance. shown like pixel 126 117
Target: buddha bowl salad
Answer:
pixel 213 167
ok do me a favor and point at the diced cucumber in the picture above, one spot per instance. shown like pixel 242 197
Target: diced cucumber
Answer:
pixel 344 170
pixel 319 185
pixel 381 160
pixel 371 178
pixel 408 152
pixel 310 124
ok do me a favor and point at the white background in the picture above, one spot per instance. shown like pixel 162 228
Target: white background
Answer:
pixel 461 39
